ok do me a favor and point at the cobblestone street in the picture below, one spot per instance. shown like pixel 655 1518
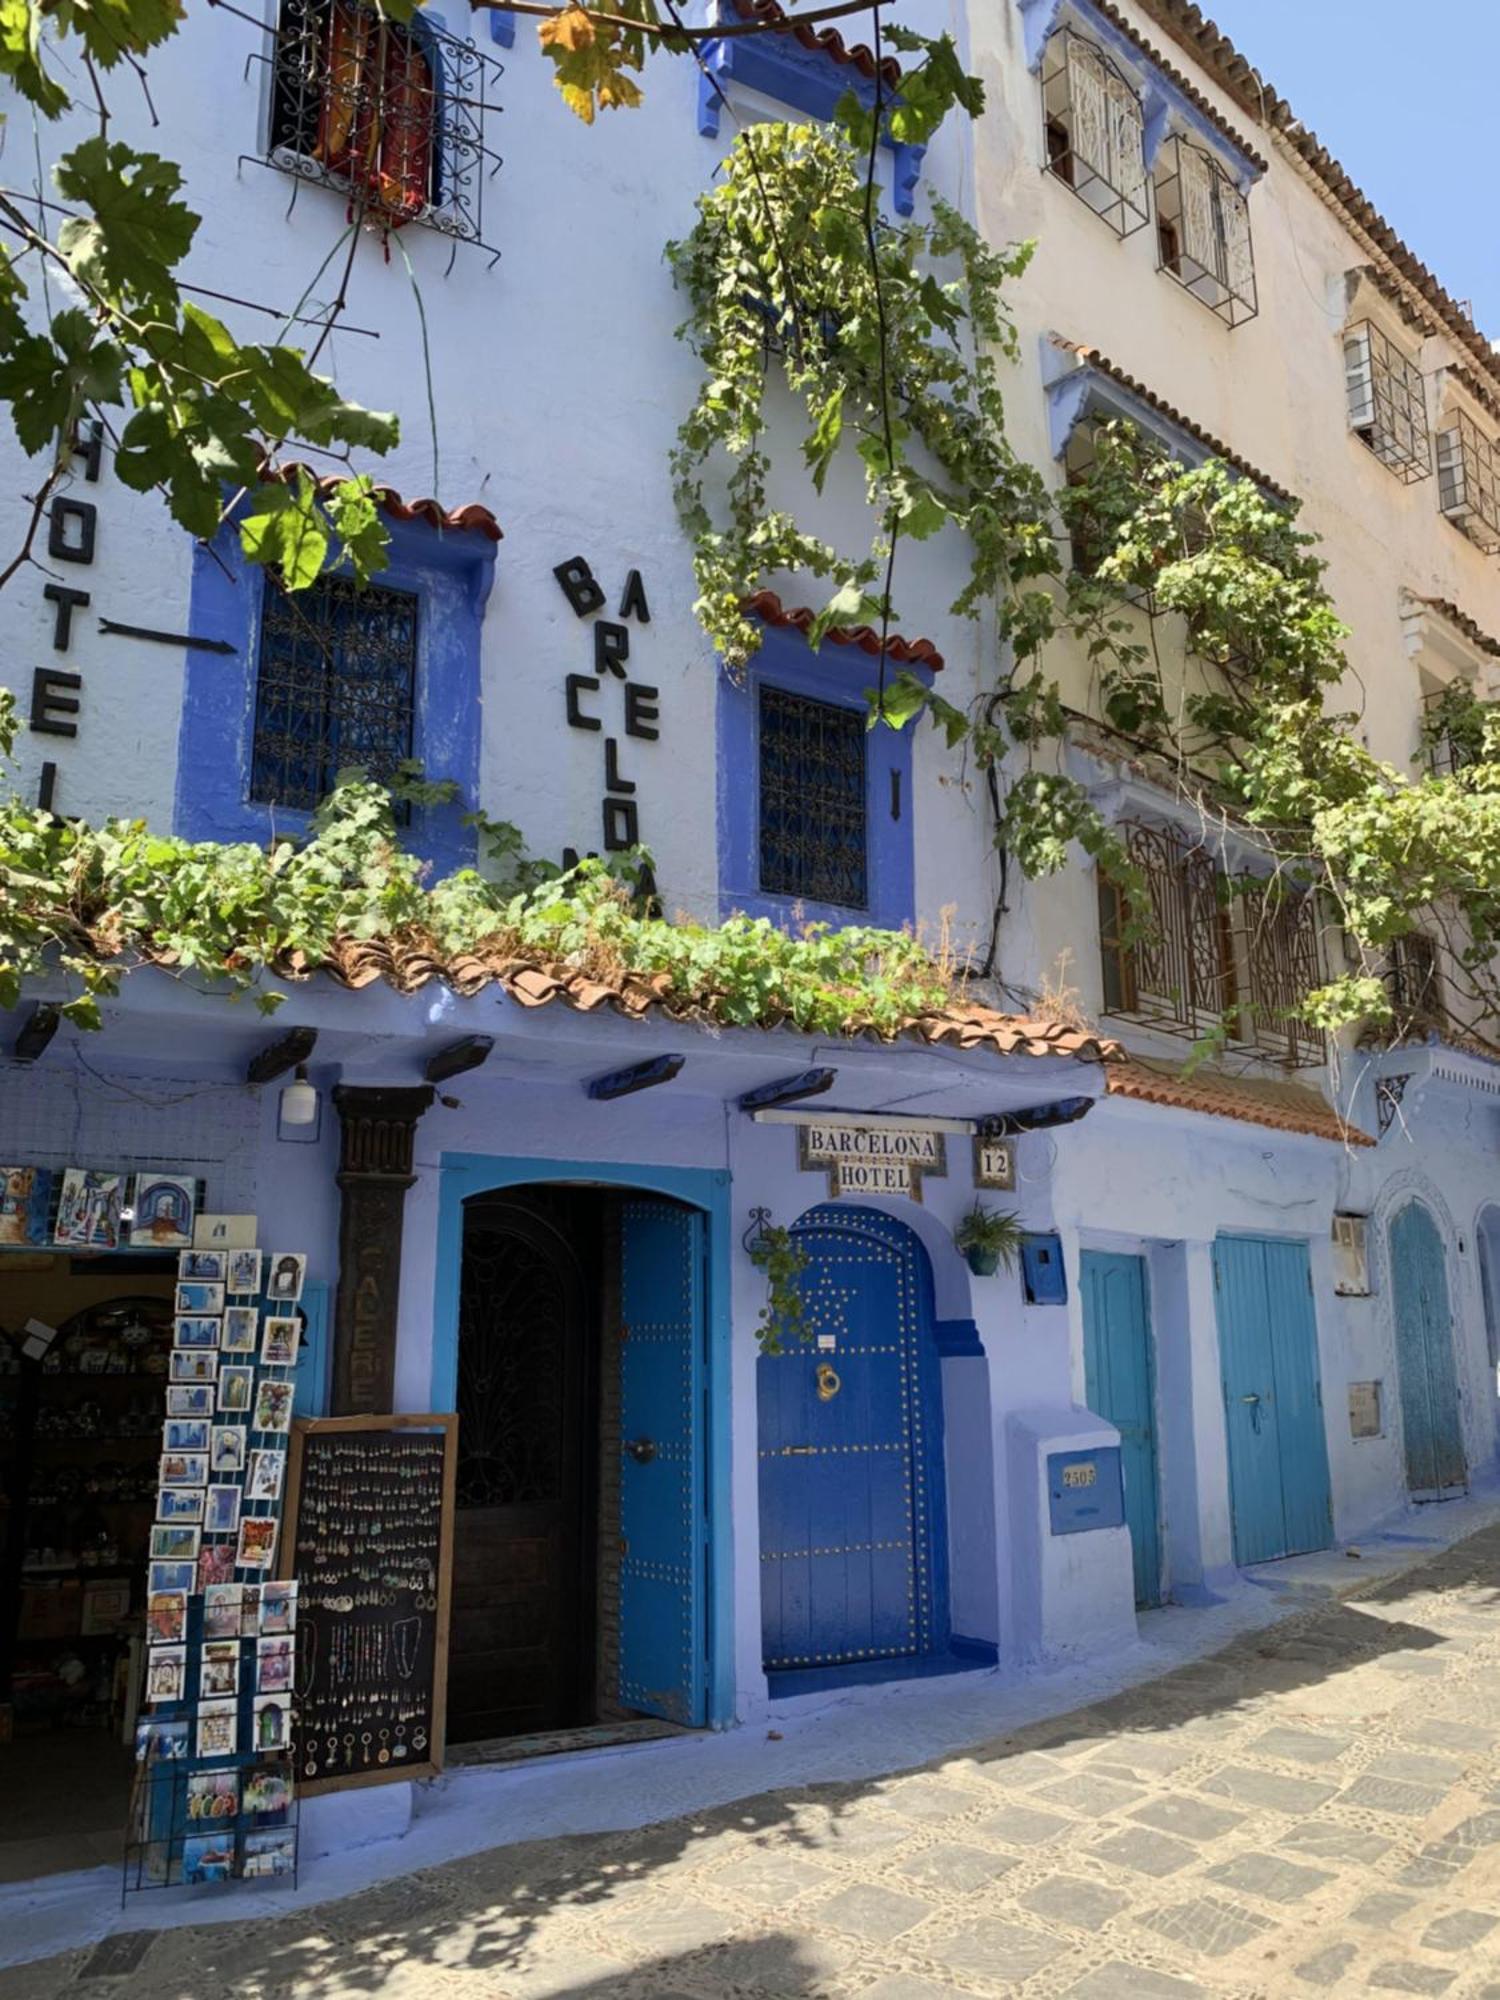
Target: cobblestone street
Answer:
pixel 1315 1810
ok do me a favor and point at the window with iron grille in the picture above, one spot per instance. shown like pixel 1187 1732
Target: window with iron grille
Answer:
pixel 335 688
pixel 1203 231
pixel 1277 944
pixel 1095 132
pixel 1413 980
pixel 1468 469
pixel 391 113
pixel 813 834
pixel 1387 402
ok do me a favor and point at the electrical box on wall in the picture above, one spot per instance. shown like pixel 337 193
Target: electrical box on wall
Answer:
pixel 1042 1272
pixel 1351 1262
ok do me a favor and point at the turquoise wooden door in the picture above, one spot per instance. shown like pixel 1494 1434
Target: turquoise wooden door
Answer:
pixel 1273 1400
pixel 852 1521
pixel 1430 1425
pixel 663 1658
pixel 1120 1386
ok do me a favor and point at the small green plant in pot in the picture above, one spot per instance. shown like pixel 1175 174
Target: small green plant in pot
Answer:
pixel 990 1239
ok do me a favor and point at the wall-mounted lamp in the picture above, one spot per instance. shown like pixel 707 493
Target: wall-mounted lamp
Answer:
pixel 299 1110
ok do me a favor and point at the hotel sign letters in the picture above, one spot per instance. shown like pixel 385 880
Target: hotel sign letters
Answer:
pixel 639 701
pixel 994 1162
pixel 871 1159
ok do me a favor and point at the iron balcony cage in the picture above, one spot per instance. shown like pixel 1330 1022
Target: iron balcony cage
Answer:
pixel 1277 940
pixel 1468 470
pixel 1095 132
pixel 1387 402
pixel 1203 232
pixel 1414 981
pixel 392 116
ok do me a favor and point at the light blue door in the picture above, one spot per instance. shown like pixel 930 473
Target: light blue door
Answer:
pixel 852 1522
pixel 662 1524
pixel 1273 1400
pixel 1435 1467
pixel 1120 1386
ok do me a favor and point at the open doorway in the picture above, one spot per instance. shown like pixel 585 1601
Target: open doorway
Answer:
pixel 579 1547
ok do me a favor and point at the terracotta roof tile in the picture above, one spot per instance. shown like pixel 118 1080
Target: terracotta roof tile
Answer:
pixel 390 502
pixel 769 609
pixel 1283 1106
pixel 1462 622
pixel 408 966
pixel 1096 359
pixel 1192 30
pixel 825 41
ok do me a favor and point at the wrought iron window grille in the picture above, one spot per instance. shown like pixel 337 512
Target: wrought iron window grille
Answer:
pixel 335 689
pixel 394 117
pixel 1095 132
pixel 1414 982
pixel 1203 232
pixel 1277 939
pixel 1468 471
pixel 1387 402
pixel 813 832
pixel 1447 752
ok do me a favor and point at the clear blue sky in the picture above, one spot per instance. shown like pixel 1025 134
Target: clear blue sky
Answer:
pixel 1404 97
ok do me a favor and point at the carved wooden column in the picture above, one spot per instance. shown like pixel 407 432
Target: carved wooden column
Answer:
pixel 378 1128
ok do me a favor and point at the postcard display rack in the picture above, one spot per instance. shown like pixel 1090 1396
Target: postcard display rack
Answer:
pixel 214 1798
pixel 369 1546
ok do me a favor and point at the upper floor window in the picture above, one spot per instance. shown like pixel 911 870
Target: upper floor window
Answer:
pixel 1468 470
pixel 813 826
pixel 1387 401
pixel 1203 231
pixel 1414 981
pixel 1095 131
pixel 335 688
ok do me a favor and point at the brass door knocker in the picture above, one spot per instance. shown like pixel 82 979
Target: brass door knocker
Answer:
pixel 828 1382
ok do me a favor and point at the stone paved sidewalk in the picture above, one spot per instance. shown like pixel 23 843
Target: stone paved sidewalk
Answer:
pixel 1314 1811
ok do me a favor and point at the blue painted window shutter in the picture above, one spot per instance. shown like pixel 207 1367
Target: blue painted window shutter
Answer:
pixel 1042 1272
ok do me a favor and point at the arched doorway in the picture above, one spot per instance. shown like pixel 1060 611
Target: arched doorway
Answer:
pixel 1433 1436
pixel 578 1585
pixel 853 1519
pixel 1487 1234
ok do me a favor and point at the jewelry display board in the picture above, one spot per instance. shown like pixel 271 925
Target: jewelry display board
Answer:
pixel 369 1539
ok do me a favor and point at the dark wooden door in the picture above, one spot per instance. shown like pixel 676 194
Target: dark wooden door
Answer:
pixel 520 1650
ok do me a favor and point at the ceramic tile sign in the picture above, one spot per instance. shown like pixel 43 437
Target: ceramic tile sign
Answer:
pixel 994 1163
pixel 874 1158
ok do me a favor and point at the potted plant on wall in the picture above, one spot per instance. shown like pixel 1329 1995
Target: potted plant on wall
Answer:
pixel 990 1239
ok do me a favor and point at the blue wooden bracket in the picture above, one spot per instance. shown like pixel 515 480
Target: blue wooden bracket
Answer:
pixel 467 1053
pixel 811 1083
pixel 1036 1118
pixel 640 1076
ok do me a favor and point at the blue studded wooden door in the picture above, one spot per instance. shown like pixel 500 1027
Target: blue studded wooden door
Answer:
pixel 663 1659
pixel 1273 1400
pixel 1430 1425
pixel 1120 1386
pixel 852 1520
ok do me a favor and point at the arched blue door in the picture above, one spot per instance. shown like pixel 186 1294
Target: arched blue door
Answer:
pixel 853 1526
pixel 1435 1467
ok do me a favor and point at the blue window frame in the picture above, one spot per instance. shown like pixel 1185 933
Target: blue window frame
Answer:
pixel 815 810
pixel 322 683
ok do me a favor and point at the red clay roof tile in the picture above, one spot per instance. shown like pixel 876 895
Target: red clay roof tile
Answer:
pixel 825 41
pixel 1281 1105
pixel 769 609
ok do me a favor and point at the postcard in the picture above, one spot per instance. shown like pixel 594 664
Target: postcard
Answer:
pixel 197 1330
pixel 273 1406
pixel 161 1208
pixel 284 1285
pixel 184 1468
pixel 194 1364
pixel 216 1563
pixel 219 1668
pixel 268 1789
pixel 89 1209
pixel 209 1266
pixel 224 1232
pixel 272 1722
pixel 193 1296
pixel 190 1399
pixel 227 1451
pixel 165 1577
pixel 166 1618
pixel 250 1610
pixel 25 1197
pixel 221 1611
pixel 267 1468
pixel 218 1728
pixel 161 1742
pixel 179 1503
pixel 278 1607
pixel 236 1386
pixel 244 1273
pixel 257 1543
pixel 175 1544
pixel 221 1516
pixel 166 1673
pixel 241 1327
pixel 271 1852
pixel 184 1434
pixel 273 1664
pixel 278 1347
pixel 210 1857
pixel 213 1794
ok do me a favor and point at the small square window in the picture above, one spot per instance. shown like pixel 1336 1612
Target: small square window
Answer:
pixel 1387 402
pixel 1203 231
pixel 1095 132
pixel 813 833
